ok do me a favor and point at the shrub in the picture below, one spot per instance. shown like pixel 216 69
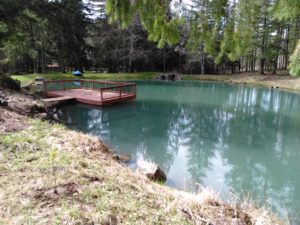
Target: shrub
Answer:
pixel 9 83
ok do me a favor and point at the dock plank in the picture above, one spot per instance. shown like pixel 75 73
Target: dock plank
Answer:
pixel 58 99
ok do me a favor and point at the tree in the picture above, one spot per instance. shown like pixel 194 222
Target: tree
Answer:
pixel 295 61
pixel 206 36
pixel 70 23
pixel 43 32
pixel 156 17
pixel 289 10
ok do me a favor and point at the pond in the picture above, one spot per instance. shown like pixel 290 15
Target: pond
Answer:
pixel 234 139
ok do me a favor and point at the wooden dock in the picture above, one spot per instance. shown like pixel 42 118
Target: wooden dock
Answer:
pixel 58 99
pixel 90 91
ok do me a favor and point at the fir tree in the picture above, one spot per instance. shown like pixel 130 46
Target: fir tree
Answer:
pixel 295 61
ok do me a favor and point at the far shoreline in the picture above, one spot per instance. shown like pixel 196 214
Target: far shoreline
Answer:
pixel 282 82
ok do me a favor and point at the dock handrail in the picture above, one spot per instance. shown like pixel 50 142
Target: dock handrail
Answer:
pixel 122 88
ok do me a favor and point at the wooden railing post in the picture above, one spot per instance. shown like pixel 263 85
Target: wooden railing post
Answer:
pixel 45 87
pixel 101 94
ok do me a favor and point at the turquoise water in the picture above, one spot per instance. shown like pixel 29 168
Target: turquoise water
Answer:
pixel 238 139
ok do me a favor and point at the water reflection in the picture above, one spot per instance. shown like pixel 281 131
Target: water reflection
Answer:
pixel 226 137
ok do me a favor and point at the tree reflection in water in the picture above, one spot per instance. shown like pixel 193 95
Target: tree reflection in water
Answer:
pixel 229 137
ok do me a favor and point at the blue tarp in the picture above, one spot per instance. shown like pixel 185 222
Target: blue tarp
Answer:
pixel 77 73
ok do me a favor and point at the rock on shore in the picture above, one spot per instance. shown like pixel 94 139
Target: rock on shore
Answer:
pixel 151 170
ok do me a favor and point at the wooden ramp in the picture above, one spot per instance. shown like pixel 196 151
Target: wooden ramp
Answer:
pixel 58 99
pixel 90 91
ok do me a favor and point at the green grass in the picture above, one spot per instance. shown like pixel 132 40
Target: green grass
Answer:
pixel 25 79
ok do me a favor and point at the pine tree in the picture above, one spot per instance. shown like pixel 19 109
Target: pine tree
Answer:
pixel 295 61
pixel 289 10
pixel 156 17
pixel 286 9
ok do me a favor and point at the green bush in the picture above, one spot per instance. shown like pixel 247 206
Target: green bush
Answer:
pixel 9 83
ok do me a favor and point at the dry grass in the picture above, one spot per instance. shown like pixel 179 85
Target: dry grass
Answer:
pixel 271 81
pixel 11 121
pixel 51 175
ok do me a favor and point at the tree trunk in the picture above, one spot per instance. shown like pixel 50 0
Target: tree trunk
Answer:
pixel 275 66
pixel 131 49
pixel 61 63
pixel 286 61
pixel 202 60
pixel 263 43
pixel 232 68
pixel 253 62
pixel 43 51
pixel 164 60
pixel 262 66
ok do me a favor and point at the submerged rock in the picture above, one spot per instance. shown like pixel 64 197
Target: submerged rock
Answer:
pixel 116 157
pixel 151 170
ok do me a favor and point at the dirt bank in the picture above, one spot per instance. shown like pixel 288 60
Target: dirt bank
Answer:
pixel 21 103
pixel 49 174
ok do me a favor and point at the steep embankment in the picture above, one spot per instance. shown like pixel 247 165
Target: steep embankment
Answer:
pixel 52 175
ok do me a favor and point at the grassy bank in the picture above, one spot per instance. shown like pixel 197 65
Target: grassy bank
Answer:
pixel 52 175
pixel 25 79
pixel 282 81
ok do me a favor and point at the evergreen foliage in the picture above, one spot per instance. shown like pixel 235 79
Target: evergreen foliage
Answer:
pixel 289 10
pixel 208 36
pixel 251 31
pixel 155 16
pixel 295 61
pixel 286 9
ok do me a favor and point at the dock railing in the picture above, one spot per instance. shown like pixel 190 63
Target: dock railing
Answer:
pixel 123 89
